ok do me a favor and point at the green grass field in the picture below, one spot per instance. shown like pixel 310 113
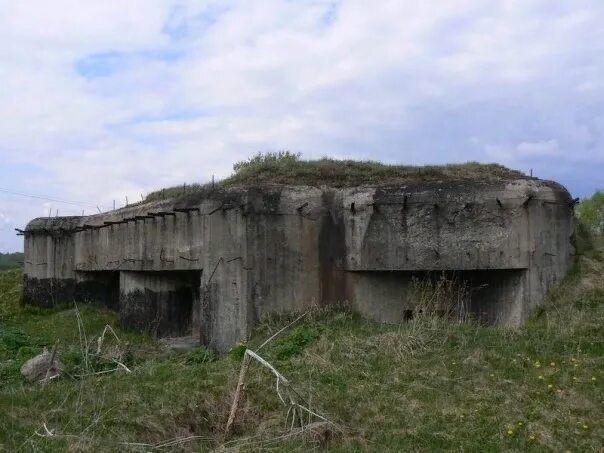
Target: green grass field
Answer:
pixel 427 384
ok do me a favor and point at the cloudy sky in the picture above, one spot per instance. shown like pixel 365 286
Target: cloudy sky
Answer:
pixel 105 99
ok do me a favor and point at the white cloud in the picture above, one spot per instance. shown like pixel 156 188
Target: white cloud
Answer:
pixel 542 148
pixel 513 154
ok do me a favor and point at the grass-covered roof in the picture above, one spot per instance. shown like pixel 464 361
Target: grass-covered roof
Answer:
pixel 289 169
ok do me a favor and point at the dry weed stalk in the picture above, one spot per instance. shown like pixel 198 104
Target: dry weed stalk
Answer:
pixel 444 297
pixel 288 396
pixel 85 348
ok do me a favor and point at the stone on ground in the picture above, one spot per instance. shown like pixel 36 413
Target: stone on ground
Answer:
pixel 36 368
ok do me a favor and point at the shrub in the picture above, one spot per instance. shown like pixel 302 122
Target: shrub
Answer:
pixel 236 352
pixel 200 355
pixel 295 342
pixel 590 212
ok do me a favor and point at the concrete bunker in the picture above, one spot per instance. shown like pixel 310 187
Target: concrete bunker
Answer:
pixel 215 262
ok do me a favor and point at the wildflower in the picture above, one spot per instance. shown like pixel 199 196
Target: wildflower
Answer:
pixel 572 359
pixel 520 423
pixel 492 375
pixel 593 378
pixel 584 426
pixel 550 386
pixel 532 437
pixel 540 377
pixel 537 364
pixel 510 432
pixel 574 378
pixel 576 365
pixel 552 364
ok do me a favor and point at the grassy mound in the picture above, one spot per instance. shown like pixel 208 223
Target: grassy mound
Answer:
pixel 288 168
pixel 426 384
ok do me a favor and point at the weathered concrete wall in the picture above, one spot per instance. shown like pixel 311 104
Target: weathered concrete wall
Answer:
pixel 271 249
pixel 523 225
pixel 164 304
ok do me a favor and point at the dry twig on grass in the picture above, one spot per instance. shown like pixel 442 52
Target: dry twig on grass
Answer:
pixel 285 392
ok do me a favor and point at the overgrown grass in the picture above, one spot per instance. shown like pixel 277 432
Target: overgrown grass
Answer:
pixel 288 168
pixel 10 293
pixel 427 384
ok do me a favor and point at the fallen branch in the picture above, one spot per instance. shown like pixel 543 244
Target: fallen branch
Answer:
pixel 243 371
pixel 121 365
pixel 288 396
pixel 281 330
pixel 97 373
pixel 245 365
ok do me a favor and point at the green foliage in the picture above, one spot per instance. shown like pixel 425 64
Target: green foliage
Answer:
pixel 10 293
pixel 237 352
pixel 294 342
pixel 16 347
pixel 276 161
pixel 11 260
pixel 285 167
pixel 590 212
pixel 200 356
pixel 11 340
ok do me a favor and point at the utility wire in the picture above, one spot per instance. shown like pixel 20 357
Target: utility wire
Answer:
pixel 40 197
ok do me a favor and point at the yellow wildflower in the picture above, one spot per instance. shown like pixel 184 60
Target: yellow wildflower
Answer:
pixel 510 432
